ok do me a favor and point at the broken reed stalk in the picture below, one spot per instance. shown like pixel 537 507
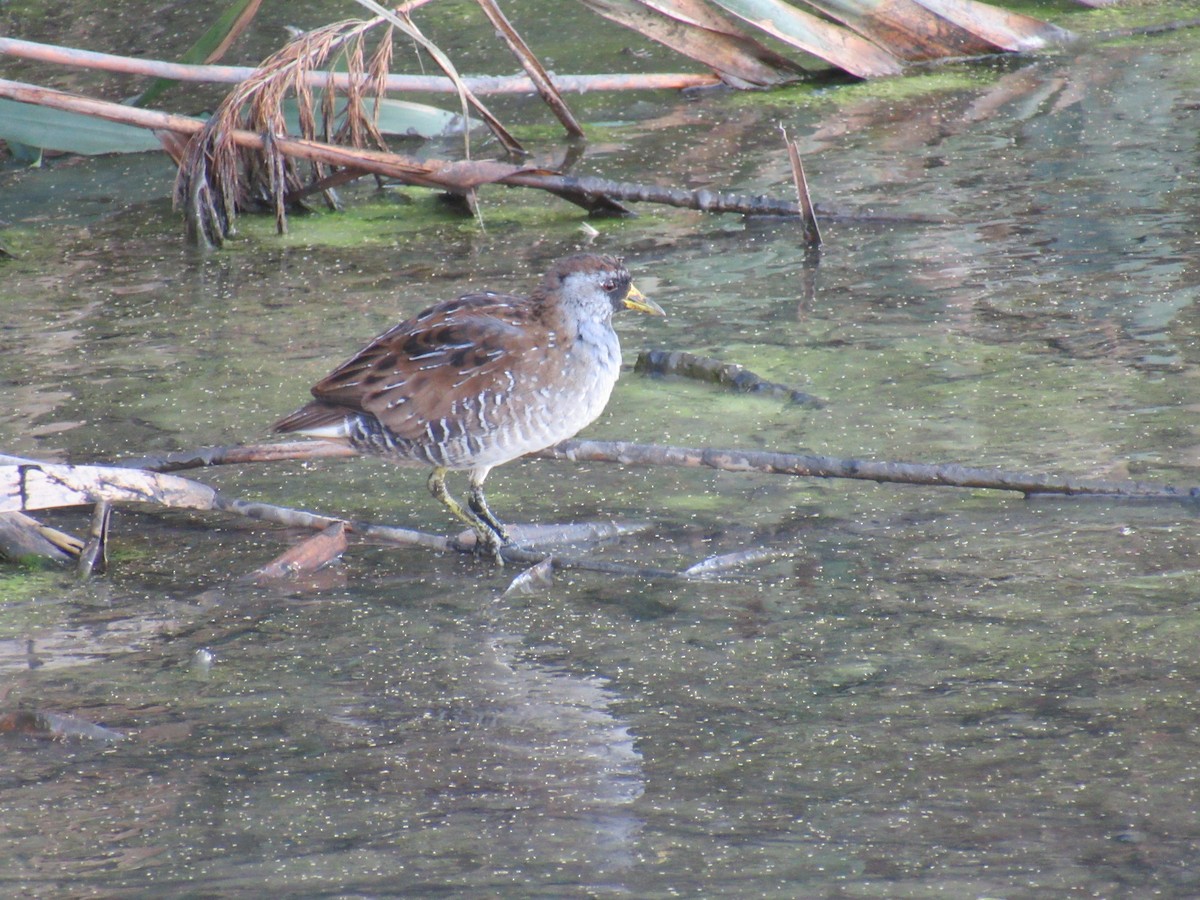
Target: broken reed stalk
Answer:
pixel 533 68
pixel 93 558
pixel 808 215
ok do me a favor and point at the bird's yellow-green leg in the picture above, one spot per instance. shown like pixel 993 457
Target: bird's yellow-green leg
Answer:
pixel 478 503
pixel 487 539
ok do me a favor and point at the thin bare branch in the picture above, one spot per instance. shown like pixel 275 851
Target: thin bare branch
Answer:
pixel 297 518
pixel 427 84
pixel 295 451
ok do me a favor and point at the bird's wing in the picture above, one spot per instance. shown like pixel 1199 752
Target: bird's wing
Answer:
pixel 420 370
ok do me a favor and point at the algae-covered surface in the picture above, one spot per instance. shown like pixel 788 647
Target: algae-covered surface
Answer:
pixel 925 692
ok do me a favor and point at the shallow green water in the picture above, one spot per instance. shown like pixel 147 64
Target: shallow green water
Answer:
pixel 938 693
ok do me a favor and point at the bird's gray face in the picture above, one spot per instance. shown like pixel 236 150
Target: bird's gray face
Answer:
pixel 598 293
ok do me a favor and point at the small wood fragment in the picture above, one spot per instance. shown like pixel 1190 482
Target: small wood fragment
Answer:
pixel 534 580
pixel 93 559
pixel 29 485
pixel 55 727
pixel 715 566
pixel 307 556
pixel 23 537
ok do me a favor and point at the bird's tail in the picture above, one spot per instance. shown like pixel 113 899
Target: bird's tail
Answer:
pixel 319 419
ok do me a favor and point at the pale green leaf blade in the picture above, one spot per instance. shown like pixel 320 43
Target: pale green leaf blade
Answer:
pixel 396 117
pixel 403 117
pixel 54 129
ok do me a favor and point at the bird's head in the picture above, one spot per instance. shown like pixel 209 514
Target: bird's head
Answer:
pixel 596 287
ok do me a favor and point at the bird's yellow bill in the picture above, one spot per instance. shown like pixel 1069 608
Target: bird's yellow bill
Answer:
pixel 635 299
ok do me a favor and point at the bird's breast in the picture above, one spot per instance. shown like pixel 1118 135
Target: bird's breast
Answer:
pixel 548 395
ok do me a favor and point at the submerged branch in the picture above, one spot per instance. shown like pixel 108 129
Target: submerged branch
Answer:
pixel 27 484
pixel 30 484
pixel 705 368
pixel 939 475
pixel 581 189
pixel 765 462
pixel 309 555
pixel 593 194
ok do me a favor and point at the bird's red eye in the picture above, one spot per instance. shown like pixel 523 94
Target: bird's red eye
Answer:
pixel 609 286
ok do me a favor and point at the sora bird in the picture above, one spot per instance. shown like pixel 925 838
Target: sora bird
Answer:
pixel 475 382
